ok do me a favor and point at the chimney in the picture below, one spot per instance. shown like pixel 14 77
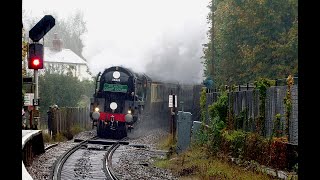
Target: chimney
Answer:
pixel 56 43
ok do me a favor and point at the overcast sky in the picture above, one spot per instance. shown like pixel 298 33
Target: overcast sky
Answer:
pixel 162 38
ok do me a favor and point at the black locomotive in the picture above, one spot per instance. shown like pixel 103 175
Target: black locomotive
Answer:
pixel 122 98
pixel 118 101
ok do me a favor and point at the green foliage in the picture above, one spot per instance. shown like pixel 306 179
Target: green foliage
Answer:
pixel 252 39
pixel 217 139
pixel 218 113
pixel 203 101
pixel 215 130
pixel 220 107
pixel 288 103
pixel 162 163
pixel 75 129
pixel 63 90
pixel 278 126
pixel 202 136
pixel 197 165
pixel 262 85
pixel 252 147
pixel 236 139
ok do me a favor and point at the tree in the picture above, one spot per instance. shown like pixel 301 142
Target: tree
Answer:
pixel 253 39
pixel 69 30
pixel 63 90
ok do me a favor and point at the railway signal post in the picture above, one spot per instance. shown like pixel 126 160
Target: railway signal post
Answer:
pixel 35 58
pixel 173 99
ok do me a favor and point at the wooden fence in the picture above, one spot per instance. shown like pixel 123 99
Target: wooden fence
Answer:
pixel 63 119
pixel 247 102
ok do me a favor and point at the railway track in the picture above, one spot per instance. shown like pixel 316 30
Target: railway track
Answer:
pixel 108 165
pixel 90 159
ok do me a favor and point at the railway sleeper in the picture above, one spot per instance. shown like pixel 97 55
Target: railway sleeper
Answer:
pixel 107 142
pixel 97 147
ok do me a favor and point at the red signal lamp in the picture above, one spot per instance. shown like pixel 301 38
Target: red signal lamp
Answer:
pixel 35 56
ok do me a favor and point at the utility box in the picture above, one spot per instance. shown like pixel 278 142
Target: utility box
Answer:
pixel 184 130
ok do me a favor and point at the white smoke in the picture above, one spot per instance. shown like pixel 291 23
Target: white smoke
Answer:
pixel 162 38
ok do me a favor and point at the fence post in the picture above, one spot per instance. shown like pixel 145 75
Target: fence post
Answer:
pixel 54 122
pixel 207 116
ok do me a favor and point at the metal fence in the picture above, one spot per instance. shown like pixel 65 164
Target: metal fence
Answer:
pixel 247 103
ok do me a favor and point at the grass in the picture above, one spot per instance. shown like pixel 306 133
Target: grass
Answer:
pixel 162 163
pixel 64 136
pixel 166 142
pixel 47 138
pixel 60 138
pixel 197 164
pixel 75 129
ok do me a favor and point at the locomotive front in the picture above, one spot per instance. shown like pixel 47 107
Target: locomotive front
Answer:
pixel 114 103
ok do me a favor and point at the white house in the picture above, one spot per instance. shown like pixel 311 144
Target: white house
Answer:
pixel 61 60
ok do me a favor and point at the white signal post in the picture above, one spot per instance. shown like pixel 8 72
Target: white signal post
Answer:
pixel 36 96
pixel 37 33
pixel 173 104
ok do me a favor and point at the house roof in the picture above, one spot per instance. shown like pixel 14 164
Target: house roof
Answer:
pixel 63 56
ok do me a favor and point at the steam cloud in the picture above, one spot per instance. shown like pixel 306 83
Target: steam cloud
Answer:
pixel 162 38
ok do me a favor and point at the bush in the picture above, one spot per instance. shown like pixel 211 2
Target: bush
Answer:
pixel 75 129
pixel 215 134
pixel 278 153
pixel 252 149
pixel 236 142
pixel 202 136
pixel 203 101
pixel 257 148
pixel 220 107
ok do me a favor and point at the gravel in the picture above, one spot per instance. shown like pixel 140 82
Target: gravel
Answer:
pixel 42 165
pixel 129 162
pixel 137 163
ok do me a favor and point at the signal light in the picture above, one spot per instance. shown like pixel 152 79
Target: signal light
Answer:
pixel 35 60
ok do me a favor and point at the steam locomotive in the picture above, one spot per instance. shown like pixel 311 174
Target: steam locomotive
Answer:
pixel 123 97
pixel 118 101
